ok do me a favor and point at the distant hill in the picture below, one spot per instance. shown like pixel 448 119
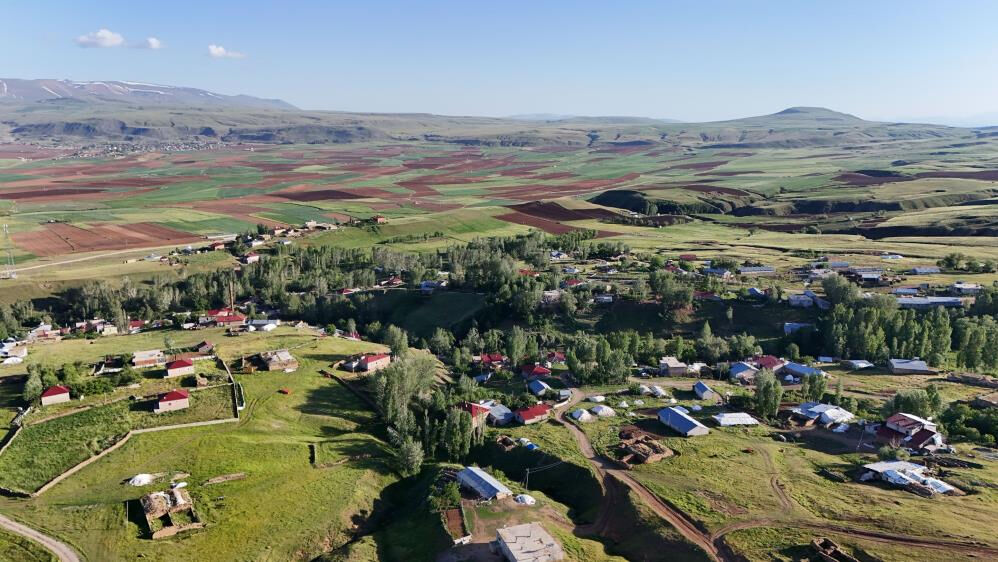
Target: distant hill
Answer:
pixel 69 113
pixel 129 93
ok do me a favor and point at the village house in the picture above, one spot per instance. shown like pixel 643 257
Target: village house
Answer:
pixel 680 422
pixel 176 399
pixel 205 348
pixel 479 413
pixel 556 357
pixel 55 395
pixel 717 272
pixel 498 414
pixel 379 219
pixel 179 368
pixel 150 358
pixel 533 414
pixel 704 392
pixel 797 370
pixel 925 269
pixel 538 387
pixel 907 475
pixel 770 362
pixel 279 360
pixel 672 367
pixel 856 364
pixel 482 483
pixel 603 299
pixel 728 419
pixel 374 362
pixel 911 432
pixel 742 372
pixel 534 370
pixel 757 271
pixel 927 303
pixel 816 412
pixel 526 543
pixel 963 288
pixel 909 367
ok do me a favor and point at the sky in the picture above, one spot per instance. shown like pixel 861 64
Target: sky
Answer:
pixel 694 61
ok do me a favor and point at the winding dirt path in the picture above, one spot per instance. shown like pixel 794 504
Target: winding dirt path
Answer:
pixel 604 469
pixel 713 543
pixel 63 551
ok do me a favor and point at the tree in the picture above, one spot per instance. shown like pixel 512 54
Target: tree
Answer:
pixel 729 313
pixel 33 387
pixel 838 392
pixel 408 457
pixel 793 351
pixel 441 342
pixel 516 345
pixel 768 393
pixel 397 339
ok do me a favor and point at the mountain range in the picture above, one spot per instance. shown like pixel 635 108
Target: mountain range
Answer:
pixel 68 112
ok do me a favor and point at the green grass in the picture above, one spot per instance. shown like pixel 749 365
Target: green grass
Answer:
pixel 44 450
pixel 284 509
pixel 15 548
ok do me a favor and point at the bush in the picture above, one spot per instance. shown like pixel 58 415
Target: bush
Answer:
pixel 92 387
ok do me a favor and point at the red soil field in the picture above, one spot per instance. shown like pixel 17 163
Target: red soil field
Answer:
pixel 59 238
pixel 746 172
pixel 984 175
pixel 699 165
pixel 862 180
pixel 48 193
pixel 553 211
pixel 550 227
pixel 318 195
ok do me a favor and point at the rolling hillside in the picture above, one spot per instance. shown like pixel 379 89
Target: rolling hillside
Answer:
pixel 65 112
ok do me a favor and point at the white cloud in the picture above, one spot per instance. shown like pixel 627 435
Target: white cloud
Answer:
pixel 102 38
pixel 220 52
pixel 152 43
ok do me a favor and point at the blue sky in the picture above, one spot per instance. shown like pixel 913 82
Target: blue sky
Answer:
pixel 701 60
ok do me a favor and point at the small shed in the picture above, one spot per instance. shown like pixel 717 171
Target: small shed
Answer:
pixel 55 395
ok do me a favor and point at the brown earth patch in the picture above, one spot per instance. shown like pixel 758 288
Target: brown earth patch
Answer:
pixel 60 238
pixel 699 165
pixel 318 195
pixel 553 211
pixel 746 172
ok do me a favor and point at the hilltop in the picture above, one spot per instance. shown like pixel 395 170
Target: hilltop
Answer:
pixel 66 112
pixel 48 91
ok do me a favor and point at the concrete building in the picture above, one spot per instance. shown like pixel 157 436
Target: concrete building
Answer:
pixel 527 543
pixel 374 362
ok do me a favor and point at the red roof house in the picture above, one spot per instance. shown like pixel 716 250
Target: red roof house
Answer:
pixel 533 414
pixel 556 356
pixel 55 395
pixel 230 320
pixel 176 399
pixel 490 358
pixel 478 413
pixel 375 362
pixel 535 371
pixel 179 367
pixel 770 362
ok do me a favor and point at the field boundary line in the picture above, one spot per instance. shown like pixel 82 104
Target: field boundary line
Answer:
pixel 9 438
pixel 117 445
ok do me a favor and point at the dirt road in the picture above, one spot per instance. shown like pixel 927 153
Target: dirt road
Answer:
pixel 605 468
pixel 64 552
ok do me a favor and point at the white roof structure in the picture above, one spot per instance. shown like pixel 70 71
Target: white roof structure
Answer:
pixel 658 391
pixel 525 499
pixel 482 483
pixel 581 415
pixel 734 418
pixel 603 411
pixel 681 422
pixel 597 399
pixel 528 543
pixel 825 413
